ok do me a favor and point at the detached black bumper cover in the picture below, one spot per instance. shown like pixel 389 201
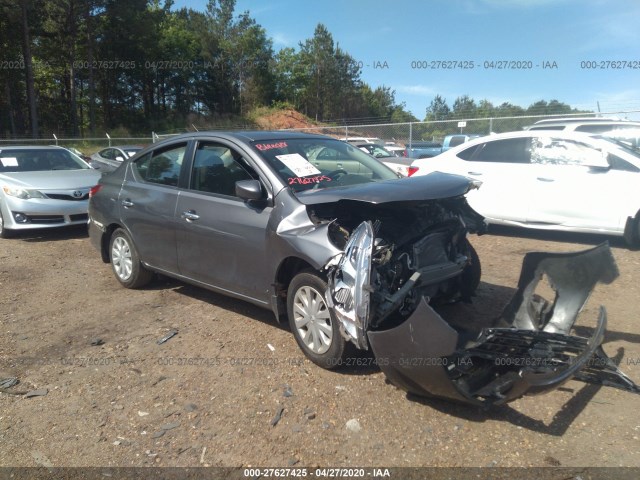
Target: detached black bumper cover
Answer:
pixel 528 351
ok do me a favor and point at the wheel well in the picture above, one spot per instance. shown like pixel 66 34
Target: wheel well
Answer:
pixel 106 237
pixel 287 269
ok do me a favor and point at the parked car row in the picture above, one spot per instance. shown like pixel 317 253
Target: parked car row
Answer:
pixel 331 240
pixel 327 237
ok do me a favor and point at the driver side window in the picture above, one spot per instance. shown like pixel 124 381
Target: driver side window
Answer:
pixel 217 168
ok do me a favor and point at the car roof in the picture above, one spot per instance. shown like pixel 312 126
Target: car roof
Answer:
pixel 33 147
pixel 579 120
pixel 568 135
pixel 248 136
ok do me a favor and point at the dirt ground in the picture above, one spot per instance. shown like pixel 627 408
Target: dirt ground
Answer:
pixel 211 395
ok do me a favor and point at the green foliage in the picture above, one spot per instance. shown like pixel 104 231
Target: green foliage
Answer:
pixel 86 66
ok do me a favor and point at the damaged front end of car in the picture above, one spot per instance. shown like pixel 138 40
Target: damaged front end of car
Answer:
pixel 382 293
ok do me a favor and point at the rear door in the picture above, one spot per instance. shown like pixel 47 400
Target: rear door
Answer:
pixel 148 203
pixel 504 168
pixel 221 238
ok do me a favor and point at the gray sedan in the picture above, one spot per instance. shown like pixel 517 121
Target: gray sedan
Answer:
pixel 351 255
pixel 43 187
pixel 110 158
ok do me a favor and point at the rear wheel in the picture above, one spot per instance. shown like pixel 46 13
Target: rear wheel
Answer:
pixel 125 261
pixel 313 324
pixel 633 240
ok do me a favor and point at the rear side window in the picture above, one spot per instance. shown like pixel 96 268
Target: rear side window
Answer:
pixel 510 150
pixel 162 166
pixel 594 128
pixel 458 140
pixel 108 153
pixel 467 153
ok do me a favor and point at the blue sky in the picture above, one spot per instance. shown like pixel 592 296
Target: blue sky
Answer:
pixel 399 32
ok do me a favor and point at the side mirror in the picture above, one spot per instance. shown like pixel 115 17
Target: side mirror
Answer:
pixel 249 190
pixel 119 158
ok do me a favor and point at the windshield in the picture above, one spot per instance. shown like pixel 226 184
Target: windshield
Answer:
pixel 39 160
pixel 376 150
pixel 628 144
pixel 321 163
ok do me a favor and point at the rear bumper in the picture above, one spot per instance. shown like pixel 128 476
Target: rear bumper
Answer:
pixel 529 351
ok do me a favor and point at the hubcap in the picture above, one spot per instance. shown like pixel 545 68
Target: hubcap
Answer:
pixel 121 259
pixel 312 320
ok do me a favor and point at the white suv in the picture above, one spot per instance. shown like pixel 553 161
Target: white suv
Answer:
pixel 584 124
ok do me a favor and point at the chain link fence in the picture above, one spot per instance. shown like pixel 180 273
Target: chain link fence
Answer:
pixel 85 145
pixel 403 134
pixel 400 134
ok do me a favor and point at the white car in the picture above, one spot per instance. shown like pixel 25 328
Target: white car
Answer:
pixel 550 180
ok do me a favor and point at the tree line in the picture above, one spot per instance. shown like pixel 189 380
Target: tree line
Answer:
pixel 79 66
pixel 75 67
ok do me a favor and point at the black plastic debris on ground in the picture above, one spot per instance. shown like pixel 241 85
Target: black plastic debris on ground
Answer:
pixel 277 417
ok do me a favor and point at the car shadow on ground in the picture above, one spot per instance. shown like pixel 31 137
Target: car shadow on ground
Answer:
pixel 233 305
pixel 558 426
pixel 51 234
pixel 561 422
pixel 588 239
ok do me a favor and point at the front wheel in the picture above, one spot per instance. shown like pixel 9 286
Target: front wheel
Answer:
pixel 125 261
pixel 313 324
pixel 4 233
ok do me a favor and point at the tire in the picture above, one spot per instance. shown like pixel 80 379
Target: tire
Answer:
pixel 4 233
pixel 471 274
pixel 315 328
pixel 633 239
pixel 125 261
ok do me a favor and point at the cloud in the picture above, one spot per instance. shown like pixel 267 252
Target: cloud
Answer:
pixel 282 39
pixel 614 31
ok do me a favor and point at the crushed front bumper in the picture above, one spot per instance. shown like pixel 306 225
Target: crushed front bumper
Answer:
pixel 529 349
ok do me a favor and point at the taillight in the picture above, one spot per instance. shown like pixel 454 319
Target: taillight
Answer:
pixel 94 190
pixel 411 170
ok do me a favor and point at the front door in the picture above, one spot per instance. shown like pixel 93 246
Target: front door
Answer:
pixel 221 238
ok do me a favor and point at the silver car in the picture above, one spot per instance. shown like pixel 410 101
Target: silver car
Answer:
pixel 110 158
pixel 43 187
pixel 329 238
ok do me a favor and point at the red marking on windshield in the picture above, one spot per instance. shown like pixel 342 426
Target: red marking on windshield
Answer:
pixel 308 180
pixel 263 147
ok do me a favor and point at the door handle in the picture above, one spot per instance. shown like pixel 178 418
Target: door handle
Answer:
pixel 475 173
pixel 126 203
pixel 190 215
pixel 544 179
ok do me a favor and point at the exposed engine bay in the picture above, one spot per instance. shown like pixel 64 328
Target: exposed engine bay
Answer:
pixel 411 251
pixel 396 268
